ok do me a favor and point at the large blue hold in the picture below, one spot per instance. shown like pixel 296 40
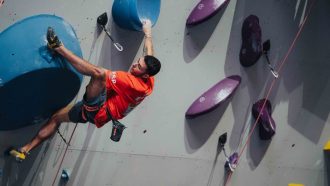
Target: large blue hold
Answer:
pixel 35 82
pixel 129 13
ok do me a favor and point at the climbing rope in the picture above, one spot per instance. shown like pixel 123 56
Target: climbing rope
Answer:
pixel 76 124
pixel 271 87
pixel 58 131
pixel 66 149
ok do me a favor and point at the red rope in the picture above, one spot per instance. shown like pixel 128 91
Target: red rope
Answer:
pixel 271 87
pixel 66 149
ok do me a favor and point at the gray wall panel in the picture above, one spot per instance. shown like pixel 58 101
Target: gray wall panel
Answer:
pixel 175 151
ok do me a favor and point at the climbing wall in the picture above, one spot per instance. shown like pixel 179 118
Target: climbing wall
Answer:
pixel 160 146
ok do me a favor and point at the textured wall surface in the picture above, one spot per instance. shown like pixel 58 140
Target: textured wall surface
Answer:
pixel 160 147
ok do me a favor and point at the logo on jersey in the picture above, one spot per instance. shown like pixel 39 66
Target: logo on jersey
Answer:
pixel 113 77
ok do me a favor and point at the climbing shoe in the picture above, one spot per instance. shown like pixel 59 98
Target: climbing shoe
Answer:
pixel 17 154
pixel 53 41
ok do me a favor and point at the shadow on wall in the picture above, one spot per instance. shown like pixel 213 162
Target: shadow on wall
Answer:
pixel 215 161
pixel 82 158
pixel 97 34
pixel 197 36
pixel 305 68
pixel 256 148
pixel 42 162
pixel 14 173
pixel 131 41
pixel 310 65
pixel 240 128
pixel 199 129
pixel 254 78
pixel 327 168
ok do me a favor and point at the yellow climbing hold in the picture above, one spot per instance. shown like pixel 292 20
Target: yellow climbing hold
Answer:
pixel 327 146
pixel 295 184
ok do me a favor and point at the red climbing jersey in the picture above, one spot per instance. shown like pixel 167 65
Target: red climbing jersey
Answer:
pixel 124 92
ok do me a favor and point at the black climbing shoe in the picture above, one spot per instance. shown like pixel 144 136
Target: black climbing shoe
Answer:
pixel 53 41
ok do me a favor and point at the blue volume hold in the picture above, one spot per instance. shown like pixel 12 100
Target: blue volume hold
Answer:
pixel 34 81
pixel 128 14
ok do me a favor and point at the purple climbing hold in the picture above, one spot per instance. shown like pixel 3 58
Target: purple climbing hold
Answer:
pixel 231 162
pixel 204 10
pixel 251 48
pixel 214 96
pixel 266 123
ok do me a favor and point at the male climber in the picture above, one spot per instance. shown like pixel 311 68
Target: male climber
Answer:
pixel 110 95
